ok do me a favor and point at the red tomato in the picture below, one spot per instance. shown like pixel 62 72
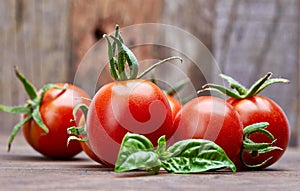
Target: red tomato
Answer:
pixel 262 109
pixel 136 106
pixel 56 112
pixel 174 104
pixel 86 146
pixel 213 119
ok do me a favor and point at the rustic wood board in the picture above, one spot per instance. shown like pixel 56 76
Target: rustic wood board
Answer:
pixel 24 169
pixel 255 37
pixel 34 38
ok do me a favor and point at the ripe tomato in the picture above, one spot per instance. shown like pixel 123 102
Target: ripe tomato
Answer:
pixel 56 112
pixel 46 117
pixel 129 104
pixel 85 144
pixel 253 108
pixel 262 109
pixel 174 104
pixel 210 118
pixel 136 106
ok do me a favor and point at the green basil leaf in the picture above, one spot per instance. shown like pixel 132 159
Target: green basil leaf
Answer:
pixel 162 144
pixel 137 152
pixel 234 84
pixel 196 155
pixel 161 149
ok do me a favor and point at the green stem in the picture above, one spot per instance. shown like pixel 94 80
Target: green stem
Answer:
pixel 157 64
pixel 256 86
pixel 29 88
pixel 16 129
pixel 124 55
pixel 112 60
pixel 240 92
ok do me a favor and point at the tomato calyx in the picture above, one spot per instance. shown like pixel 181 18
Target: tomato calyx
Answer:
pixel 256 149
pixel 125 55
pixel 76 131
pixel 238 91
pixel 31 110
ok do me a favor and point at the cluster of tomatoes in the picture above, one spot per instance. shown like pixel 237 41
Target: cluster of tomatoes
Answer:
pixel 253 130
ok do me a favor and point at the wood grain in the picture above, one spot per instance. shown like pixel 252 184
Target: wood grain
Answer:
pixel 24 169
pixel 33 37
pixel 256 37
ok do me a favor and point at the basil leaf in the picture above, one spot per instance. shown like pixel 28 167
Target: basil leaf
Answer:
pixel 196 155
pixel 137 152
pixel 162 144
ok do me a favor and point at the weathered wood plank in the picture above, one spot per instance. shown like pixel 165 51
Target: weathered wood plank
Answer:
pixel 255 37
pixel 34 38
pixel 24 169
pixel 103 15
pixel 9 87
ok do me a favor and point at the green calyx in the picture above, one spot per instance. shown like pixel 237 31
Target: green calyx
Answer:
pixel 256 149
pixel 31 109
pixel 118 64
pixel 77 131
pixel 238 91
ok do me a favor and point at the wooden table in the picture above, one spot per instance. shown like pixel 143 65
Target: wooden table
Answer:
pixel 25 169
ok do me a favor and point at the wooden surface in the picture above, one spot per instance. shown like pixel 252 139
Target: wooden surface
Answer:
pixel 24 169
pixel 47 39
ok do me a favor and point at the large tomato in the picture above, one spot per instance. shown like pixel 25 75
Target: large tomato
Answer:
pixel 130 104
pixel 262 109
pixel 254 108
pixel 211 118
pixel 56 112
pixel 137 106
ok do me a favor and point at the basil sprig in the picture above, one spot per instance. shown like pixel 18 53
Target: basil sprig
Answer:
pixel 187 156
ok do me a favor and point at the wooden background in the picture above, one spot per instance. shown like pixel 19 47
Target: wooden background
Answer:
pixel 48 39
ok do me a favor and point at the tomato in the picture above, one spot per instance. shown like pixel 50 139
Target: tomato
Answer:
pixel 85 144
pixel 56 112
pixel 252 109
pixel 210 118
pixel 46 116
pixel 129 104
pixel 262 109
pixel 136 106
pixel 174 104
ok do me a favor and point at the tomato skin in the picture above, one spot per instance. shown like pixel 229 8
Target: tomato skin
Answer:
pixel 85 145
pixel 174 104
pixel 56 112
pixel 213 119
pixel 136 106
pixel 262 109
